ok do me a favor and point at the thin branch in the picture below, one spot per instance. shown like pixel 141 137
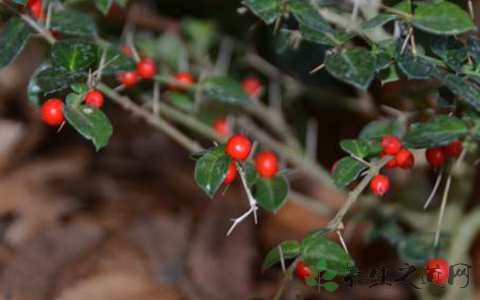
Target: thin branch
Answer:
pixel 434 190
pixel 442 211
pixel 47 35
pixel 286 278
pixel 153 120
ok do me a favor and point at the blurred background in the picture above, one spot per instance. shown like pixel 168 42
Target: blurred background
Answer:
pixel 129 221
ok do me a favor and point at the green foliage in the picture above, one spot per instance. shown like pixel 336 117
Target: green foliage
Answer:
pixel 13 38
pixel 210 170
pixel 440 131
pixel 224 89
pixel 51 79
pixel 271 193
pixel 90 122
pixel 380 128
pixel 355 66
pixel 316 247
pixel 74 55
pixel 416 248
pixel 361 148
pixel 347 171
pixel 286 249
pixel 267 10
pixel 442 17
pixel 74 23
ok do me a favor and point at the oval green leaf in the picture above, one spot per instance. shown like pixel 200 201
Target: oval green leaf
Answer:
pixel 347 170
pixel 440 131
pixel 271 193
pixel 354 66
pixel 13 38
pixel 74 55
pixel 224 89
pixel 210 170
pixel 289 250
pixel 91 123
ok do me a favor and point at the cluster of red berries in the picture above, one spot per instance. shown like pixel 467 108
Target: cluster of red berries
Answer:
pixel 437 157
pixel 52 110
pixel 402 158
pixel 238 147
pixel 146 69
pixel 253 87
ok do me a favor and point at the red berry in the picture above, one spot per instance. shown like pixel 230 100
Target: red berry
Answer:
pixel 435 157
pixel 129 78
pixel 238 147
pixel 391 164
pixel 252 86
pixel 127 51
pixel 266 164
pixel 434 267
pixel 380 185
pixel 52 112
pixel 94 98
pixel 302 270
pixel 222 127
pixel 146 68
pixel 36 8
pixel 183 79
pixel 231 173
pixel 405 159
pixel 453 149
pixel 391 144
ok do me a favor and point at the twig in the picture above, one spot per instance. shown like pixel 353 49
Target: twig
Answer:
pixel 442 211
pixel 307 165
pixel 434 190
pixel 311 138
pixel 47 35
pixel 251 201
pixel 317 68
pixel 342 241
pixel 153 120
pixel 286 278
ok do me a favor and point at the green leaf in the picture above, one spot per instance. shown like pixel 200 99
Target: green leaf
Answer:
pixel 200 33
pixel 346 171
pixel 74 55
pixel 316 247
pixel 115 60
pixel 413 66
pixel 322 265
pixel 79 88
pixel 383 59
pixel 440 131
pixel 473 46
pixel 332 38
pixel 224 89
pixel 308 16
pixel 329 274
pixel 34 91
pixel 377 21
pixel 73 23
pixel 311 281
pixel 180 100
pixel 271 193
pixel 331 286
pixel 361 148
pixel 53 79
pixel 355 66
pixel 251 174
pixel 461 87
pixel 380 128
pixel 416 248
pixel 313 271
pixel 104 5
pixel 13 38
pixel 442 17
pixel 267 10
pixel 290 249
pixel 451 51
pixel 91 123
pixel 210 170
